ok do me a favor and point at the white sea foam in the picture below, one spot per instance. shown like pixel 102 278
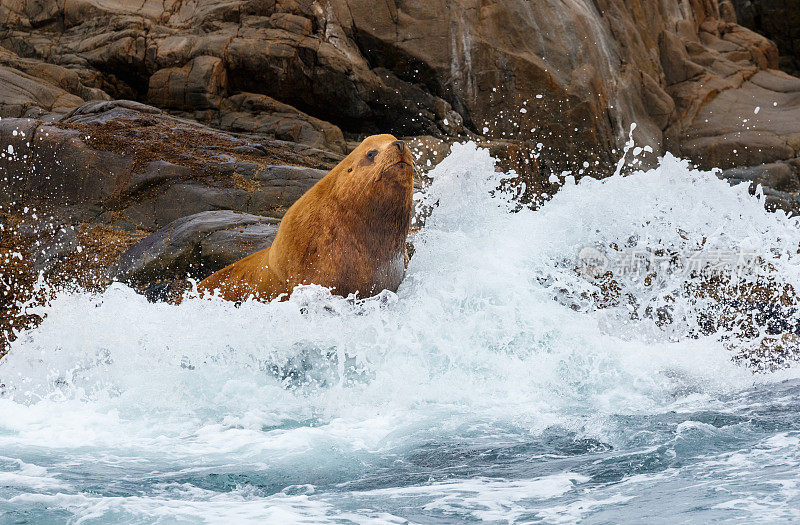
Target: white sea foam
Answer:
pixel 197 506
pixel 27 476
pixel 485 499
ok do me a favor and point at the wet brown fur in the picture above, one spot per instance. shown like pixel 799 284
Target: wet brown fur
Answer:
pixel 347 232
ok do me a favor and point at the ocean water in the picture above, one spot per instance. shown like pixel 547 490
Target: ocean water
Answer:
pixel 500 384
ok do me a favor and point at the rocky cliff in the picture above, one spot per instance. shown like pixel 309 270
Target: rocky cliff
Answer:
pixel 316 71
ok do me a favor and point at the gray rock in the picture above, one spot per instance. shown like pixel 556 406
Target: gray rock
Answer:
pixel 181 200
pixel 105 106
pixel 779 176
pixel 780 200
pixel 156 173
pixel 279 186
pixel 197 245
pixel 68 171
pixel 224 247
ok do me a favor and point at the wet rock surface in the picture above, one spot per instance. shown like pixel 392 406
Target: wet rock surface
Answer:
pixel 196 245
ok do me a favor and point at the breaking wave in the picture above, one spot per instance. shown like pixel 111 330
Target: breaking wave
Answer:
pixel 506 380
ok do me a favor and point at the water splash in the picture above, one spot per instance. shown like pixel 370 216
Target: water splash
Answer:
pixel 493 342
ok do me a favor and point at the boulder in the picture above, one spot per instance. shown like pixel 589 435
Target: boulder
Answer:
pixel 779 183
pixel 32 88
pixel 199 84
pixel 263 115
pixel 196 245
pixel 779 176
pixel 131 165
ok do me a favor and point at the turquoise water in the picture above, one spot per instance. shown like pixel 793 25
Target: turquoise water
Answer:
pixel 492 387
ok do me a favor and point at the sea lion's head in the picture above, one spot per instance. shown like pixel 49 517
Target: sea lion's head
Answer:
pixel 380 168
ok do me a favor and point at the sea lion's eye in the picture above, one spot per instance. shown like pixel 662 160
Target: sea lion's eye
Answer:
pixel 372 154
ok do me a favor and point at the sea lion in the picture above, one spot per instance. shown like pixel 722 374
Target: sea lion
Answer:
pixel 347 232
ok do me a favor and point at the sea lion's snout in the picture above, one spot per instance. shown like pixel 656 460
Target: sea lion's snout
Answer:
pixel 401 156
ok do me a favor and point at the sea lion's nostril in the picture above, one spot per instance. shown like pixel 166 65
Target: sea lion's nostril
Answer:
pixel 400 145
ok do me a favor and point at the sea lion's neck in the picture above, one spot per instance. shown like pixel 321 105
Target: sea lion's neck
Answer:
pixel 381 225
pixel 352 241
